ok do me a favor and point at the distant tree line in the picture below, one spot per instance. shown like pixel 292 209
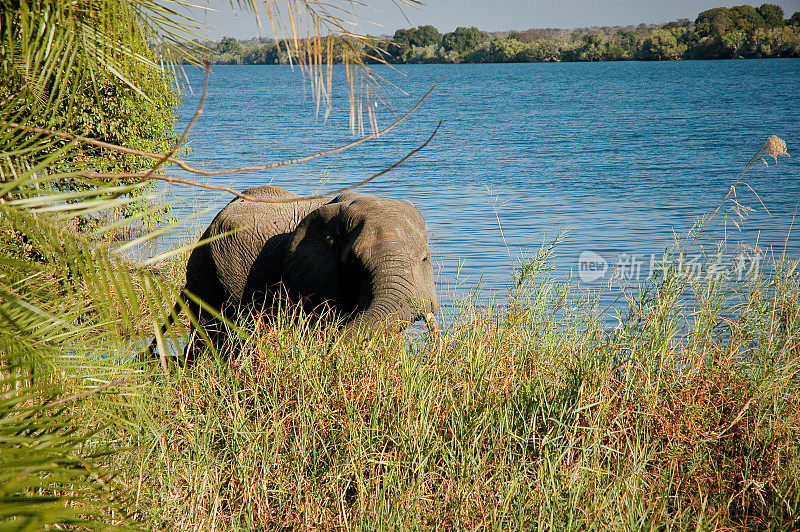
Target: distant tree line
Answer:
pixel 719 33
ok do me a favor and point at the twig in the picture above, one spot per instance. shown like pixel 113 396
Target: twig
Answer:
pixel 187 166
pixel 364 182
pixel 189 127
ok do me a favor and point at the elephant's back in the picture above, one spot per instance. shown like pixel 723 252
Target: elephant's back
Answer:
pixel 251 237
pixel 269 191
pixel 242 211
pixel 266 219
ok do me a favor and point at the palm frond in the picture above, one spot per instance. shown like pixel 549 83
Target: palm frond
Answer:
pixel 75 307
pixel 308 30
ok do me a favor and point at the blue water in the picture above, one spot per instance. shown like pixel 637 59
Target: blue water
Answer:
pixel 622 155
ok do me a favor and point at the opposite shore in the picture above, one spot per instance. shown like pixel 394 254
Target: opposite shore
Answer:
pixel 742 32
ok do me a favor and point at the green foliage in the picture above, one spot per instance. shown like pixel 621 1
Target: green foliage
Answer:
pixel 498 50
pixel 47 478
pixel 664 45
pixel 464 39
pixel 65 300
pixel 421 36
pixel 732 43
pixel 123 117
pixel 229 45
pixel 113 92
pixel 721 20
pixel 539 51
pixel 599 47
pixel 772 15
pixel 714 21
pixel 780 41
pixel 746 18
pixel 262 54
pixel 415 45
pixel 742 31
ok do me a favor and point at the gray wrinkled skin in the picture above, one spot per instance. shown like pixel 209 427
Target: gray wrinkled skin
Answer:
pixel 367 257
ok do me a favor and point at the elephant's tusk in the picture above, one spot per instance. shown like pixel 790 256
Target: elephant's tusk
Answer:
pixel 433 325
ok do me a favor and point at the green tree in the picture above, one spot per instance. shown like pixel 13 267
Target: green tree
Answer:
pixel 263 54
pixel 598 46
pixel 732 42
pixel 498 50
pixel 714 21
pixel 425 36
pixel 415 44
pixel 746 18
pixel 739 32
pixel 772 15
pixel 544 50
pixel 663 44
pixel 229 45
pixel 98 100
pixel 631 40
pixel 464 39
pixel 423 54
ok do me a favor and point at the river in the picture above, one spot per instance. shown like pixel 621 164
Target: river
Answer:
pixel 620 155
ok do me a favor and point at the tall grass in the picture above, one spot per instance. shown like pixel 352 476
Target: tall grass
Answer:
pixel 529 414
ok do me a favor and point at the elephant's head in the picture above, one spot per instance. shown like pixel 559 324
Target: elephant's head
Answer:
pixel 368 257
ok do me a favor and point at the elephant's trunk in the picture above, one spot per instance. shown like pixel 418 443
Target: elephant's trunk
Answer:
pixel 396 298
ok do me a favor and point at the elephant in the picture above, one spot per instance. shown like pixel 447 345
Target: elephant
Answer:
pixel 366 257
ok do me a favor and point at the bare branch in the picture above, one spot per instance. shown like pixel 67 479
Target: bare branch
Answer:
pixel 314 156
pixel 188 166
pixel 163 158
pixel 181 181
pixel 189 127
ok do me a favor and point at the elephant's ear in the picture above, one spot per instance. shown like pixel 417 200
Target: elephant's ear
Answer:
pixel 316 261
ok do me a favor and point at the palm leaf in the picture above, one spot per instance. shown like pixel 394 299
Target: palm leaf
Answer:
pixel 74 309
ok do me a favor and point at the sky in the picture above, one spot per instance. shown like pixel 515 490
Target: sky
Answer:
pixel 488 15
